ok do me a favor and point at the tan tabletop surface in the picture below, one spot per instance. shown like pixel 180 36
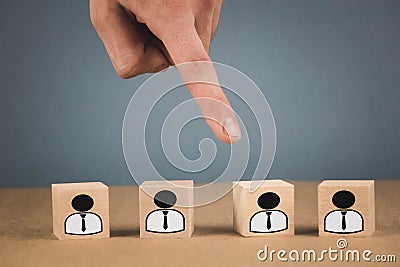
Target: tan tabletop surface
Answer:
pixel 26 237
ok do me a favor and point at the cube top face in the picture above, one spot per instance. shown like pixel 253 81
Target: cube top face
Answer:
pixel 166 209
pixel 263 183
pixel 267 211
pixel 167 183
pixel 78 186
pixel 346 207
pixel 80 210
pixel 347 183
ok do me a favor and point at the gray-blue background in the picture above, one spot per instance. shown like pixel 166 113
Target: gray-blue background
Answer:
pixel 330 70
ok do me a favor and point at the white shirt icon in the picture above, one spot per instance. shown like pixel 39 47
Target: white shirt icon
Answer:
pixel 165 221
pixel 343 222
pixel 83 223
pixel 268 221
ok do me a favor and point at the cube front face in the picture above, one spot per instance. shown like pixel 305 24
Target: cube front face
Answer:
pixel 80 210
pixel 346 207
pixel 275 216
pixel 166 209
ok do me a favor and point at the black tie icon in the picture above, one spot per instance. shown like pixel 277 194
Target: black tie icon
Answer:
pixel 268 219
pixel 83 228
pixel 343 219
pixel 165 224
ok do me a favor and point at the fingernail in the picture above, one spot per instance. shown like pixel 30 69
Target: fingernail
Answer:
pixel 230 128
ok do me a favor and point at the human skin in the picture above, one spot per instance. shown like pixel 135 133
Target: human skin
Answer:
pixel 143 36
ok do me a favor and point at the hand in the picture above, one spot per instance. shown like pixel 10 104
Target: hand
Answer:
pixel 143 36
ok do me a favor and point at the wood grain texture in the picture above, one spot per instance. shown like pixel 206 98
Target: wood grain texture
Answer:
pixel 62 195
pixel 364 192
pixel 245 204
pixel 183 189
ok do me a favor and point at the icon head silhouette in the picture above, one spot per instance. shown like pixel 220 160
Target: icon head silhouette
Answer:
pixel 165 199
pixel 268 200
pixel 82 203
pixel 343 199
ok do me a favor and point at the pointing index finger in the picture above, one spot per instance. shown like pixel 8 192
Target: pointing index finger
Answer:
pixel 184 46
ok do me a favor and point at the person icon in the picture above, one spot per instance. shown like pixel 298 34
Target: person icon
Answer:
pixel 268 220
pixel 343 220
pixel 83 222
pixel 165 219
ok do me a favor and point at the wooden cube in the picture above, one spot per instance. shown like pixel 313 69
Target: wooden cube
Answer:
pixel 166 209
pixel 266 210
pixel 80 210
pixel 346 207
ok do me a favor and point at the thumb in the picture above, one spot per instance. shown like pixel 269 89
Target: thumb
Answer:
pixel 184 46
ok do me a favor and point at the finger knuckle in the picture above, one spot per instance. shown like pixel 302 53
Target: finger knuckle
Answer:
pixel 198 55
pixel 127 67
pixel 126 71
